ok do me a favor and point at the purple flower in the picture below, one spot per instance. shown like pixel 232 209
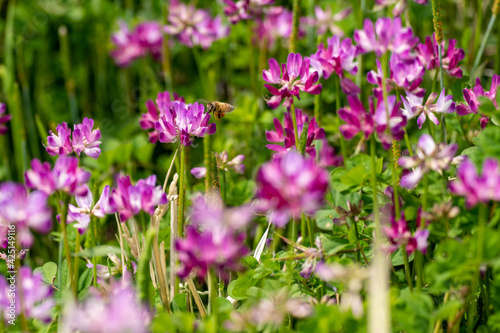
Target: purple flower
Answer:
pixel 397 121
pixel 413 107
pixel 193 26
pixel 276 24
pixel 246 9
pixel 286 134
pixel 474 187
pixel 386 35
pixel 406 73
pixel 328 157
pixel 399 5
pixel 223 163
pixel 400 235
pixel 356 118
pixel 290 185
pixel 337 58
pixel 116 311
pixel 128 200
pixel 130 45
pixel 295 78
pixel 85 211
pixel 215 238
pixel 37 296
pixel 429 156
pixel 26 211
pixel 66 176
pixel 148 120
pixel 84 139
pixel 3 119
pixel 326 20
pixel 429 56
pixel 59 144
pixel 183 121
pixel 471 97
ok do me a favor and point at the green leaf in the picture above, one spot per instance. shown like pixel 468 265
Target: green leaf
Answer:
pixel 237 289
pixel 332 245
pixel 486 106
pixel 85 279
pixel 179 303
pixel 48 272
pixel 98 251
pixel 250 262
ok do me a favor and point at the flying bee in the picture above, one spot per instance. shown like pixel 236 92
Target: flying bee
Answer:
pixel 219 109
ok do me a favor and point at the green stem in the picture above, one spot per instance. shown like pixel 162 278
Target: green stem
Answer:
pixel 356 233
pixel 419 258
pixel 212 294
pixel 483 45
pixel 303 228
pixel 207 160
pixel 64 236
pixel 376 216
pixel 295 25
pixel 251 60
pixel 224 187
pixel 407 270
pixel 408 144
pixel 441 85
pixel 309 228
pixel 338 106
pixel 182 176
pixel 93 239
pixel 75 272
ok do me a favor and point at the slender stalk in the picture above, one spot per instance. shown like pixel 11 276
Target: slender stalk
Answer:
pixel 303 227
pixel 251 60
pixel 376 215
pixel 93 239
pixel 408 144
pixel 338 106
pixel 407 269
pixel 212 293
pixel 180 220
pixel 64 236
pixel 441 85
pixel 75 272
pixel 309 228
pixel 295 25
pixel 483 45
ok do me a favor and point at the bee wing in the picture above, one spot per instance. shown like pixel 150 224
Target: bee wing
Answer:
pixel 202 101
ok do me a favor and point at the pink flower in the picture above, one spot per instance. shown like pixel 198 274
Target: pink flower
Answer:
pixel 295 78
pixel 326 20
pixel 66 176
pixel 26 211
pixel 128 199
pixel 164 101
pixel 328 157
pixel 84 139
pixel 60 144
pixel 131 45
pixel 429 56
pixel 289 186
pixel 471 97
pixel 356 118
pixel 223 163
pixel 428 156
pixel 413 107
pixel 276 24
pixel 246 9
pixel 400 235
pixel 337 58
pixel 193 26
pixel 37 296
pixel 183 121
pixel 396 121
pixel 399 5
pixel 386 36
pixel 215 238
pixel 477 188
pixel 3 119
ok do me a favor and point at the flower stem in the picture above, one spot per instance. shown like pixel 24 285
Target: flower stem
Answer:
pixel 75 273
pixel 408 144
pixel 376 216
pixel 407 270
pixel 93 239
pixel 338 106
pixel 182 176
pixel 64 236
pixel 212 293
pixel 207 160
pixel 295 25
pixel 483 45
pixel 309 228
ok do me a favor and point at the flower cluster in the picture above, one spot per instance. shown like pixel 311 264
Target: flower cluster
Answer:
pixel 3 118
pixel 86 210
pixel 117 311
pixel 325 20
pixel 386 35
pixel 214 240
pixel 399 5
pixel 400 235
pixel 148 120
pixel 286 133
pixel 128 199
pixel 37 296
pixel 293 78
pixel 477 188
pixel 413 107
pixel 25 211
pixel 429 156
pixel 183 121
pixel 289 186
pixel 471 97
pixel 387 121
pixel 85 139
pixel 248 9
pixel 66 176
pixel 223 163
pixel 338 58
pixel 194 27
pixel 429 56
pixel 147 38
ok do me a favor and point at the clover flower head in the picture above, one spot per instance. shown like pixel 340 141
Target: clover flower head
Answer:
pixel 293 78
pixel 428 55
pixel 289 186
pixel 84 139
pixel 413 107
